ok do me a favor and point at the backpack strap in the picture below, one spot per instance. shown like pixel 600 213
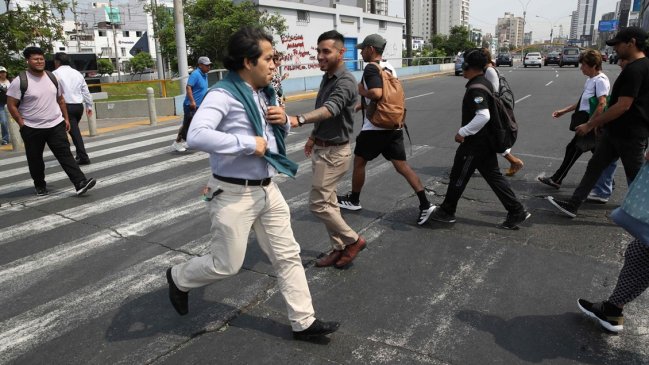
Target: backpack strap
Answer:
pixel 481 87
pixel 24 82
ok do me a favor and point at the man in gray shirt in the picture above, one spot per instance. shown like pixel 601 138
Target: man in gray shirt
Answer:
pixel 242 130
pixel 328 147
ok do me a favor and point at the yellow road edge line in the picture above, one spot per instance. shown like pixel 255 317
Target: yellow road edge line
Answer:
pixel 137 123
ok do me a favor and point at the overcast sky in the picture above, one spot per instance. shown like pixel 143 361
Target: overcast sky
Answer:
pixel 484 14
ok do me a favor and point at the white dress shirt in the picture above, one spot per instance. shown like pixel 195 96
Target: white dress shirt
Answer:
pixel 75 90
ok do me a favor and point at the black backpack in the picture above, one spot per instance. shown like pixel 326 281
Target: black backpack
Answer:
pixel 24 83
pixel 505 92
pixel 502 124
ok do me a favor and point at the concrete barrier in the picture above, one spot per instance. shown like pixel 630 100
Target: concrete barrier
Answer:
pixel 133 108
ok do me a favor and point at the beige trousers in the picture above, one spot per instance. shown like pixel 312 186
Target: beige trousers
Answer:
pixel 329 164
pixel 233 212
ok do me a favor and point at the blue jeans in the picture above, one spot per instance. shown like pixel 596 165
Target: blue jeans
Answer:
pixel 3 125
pixel 604 186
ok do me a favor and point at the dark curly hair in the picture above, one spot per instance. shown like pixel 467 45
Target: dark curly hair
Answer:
pixel 243 44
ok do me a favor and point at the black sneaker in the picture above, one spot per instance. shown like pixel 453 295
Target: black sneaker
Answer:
pixel 513 220
pixel 85 185
pixel 41 191
pixel 608 315
pixel 317 329
pixel 424 214
pixel 179 299
pixel 440 215
pixel 83 162
pixel 564 207
pixel 346 203
pixel 548 181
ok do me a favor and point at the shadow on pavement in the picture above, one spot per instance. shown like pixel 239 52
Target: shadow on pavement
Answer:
pixel 537 338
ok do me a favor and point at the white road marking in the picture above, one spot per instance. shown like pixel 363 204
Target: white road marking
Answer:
pixel 148 133
pixel 83 211
pixel 109 151
pixel 523 98
pixel 419 96
pixel 548 83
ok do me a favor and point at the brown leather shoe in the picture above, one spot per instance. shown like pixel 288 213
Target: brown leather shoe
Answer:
pixel 330 259
pixel 350 252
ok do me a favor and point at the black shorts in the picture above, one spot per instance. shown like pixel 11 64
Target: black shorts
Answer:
pixel 389 143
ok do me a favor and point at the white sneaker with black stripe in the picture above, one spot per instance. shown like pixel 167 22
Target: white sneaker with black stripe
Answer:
pixel 345 202
pixel 424 214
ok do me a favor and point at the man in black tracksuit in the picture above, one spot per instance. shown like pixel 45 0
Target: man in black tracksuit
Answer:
pixel 475 151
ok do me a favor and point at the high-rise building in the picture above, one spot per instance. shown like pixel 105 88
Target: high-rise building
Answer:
pixel 586 10
pixel 623 13
pixel 438 16
pixel 573 25
pixel 380 7
pixel 509 30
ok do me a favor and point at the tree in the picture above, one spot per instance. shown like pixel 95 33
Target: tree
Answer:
pixel 458 40
pixel 165 31
pixel 105 67
pixel 40 23
pixel 207 34
pixel 141 61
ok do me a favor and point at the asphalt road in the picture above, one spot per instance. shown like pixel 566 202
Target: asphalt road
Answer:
pixel 82 278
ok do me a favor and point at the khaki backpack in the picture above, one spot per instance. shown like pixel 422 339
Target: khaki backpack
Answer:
pixel 390 111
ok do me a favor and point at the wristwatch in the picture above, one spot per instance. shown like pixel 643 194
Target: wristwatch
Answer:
pixel 301 120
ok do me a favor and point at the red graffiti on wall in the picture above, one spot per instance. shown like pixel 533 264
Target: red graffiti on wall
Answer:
pixel 297 56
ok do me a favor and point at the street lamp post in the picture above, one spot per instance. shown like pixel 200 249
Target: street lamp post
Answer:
pixel 524 15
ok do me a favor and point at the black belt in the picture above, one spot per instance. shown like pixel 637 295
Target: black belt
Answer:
pixel 234 180
pixel 322 143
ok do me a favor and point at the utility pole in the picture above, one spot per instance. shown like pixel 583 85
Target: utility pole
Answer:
pixel 409 32
pixel 112 23
pixel 156 38
pixel 76 25
pixel 181 45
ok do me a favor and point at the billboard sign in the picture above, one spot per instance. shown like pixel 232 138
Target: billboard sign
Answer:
pixel 637 4
pixel 112 15
pixel 607 25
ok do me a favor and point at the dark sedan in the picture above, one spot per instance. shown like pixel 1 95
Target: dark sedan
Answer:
pixel 553 57
pixel 504 59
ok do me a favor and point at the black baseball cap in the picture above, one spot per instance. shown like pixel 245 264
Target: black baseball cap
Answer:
pixel 626 34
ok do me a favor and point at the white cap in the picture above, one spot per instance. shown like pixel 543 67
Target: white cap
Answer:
pixel 2 69
pixel 204 61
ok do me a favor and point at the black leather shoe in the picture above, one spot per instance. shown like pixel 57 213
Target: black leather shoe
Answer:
pixel 83 162
pixel 317 329
pixel 179 299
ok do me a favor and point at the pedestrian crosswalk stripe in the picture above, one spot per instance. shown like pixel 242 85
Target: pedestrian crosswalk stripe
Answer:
pixel 102 142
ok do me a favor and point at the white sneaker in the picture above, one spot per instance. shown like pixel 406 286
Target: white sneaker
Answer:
pixel 592 197
pixel 185 145
pixel 178 146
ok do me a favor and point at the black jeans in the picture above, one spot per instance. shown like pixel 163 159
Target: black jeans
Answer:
pixel 75 112
pixel 630 150
pixel 469 157
pixel 188 115
pixel 573 152
pixel 57 140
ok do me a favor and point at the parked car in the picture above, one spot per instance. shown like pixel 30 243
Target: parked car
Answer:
pixel 569 56
pixel 533 59
pixel 459 60
pixel 613 58
pixel 604 57
pixel 552 57
pixel 504 59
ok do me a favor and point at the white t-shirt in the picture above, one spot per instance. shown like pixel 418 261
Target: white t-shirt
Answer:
pixel 367 125
pixel 492 76
pixel 39 107
pixel 600 83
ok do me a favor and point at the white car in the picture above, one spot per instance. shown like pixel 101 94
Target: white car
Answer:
pixel 533 59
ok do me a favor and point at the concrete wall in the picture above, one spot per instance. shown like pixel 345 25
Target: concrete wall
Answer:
pixel 134 108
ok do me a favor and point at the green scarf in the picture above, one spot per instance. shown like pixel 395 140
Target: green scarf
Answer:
pixel 241 91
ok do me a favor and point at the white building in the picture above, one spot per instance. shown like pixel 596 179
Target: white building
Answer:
pixel 586 10
pixel 306 23
pixel 509 30
pixel 438 16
